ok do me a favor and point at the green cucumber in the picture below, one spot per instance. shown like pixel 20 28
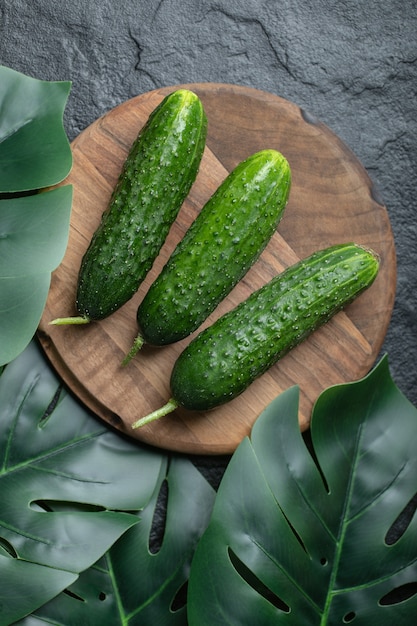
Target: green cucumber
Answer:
pixel 156 177
pixel 222 243
pixel 225 358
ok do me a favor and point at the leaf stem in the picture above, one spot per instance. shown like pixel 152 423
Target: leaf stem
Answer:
pixel 170 406
pixel 137 344
pixel 78 319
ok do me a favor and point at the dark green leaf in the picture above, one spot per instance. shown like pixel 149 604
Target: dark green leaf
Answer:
pixel 34 149
pixel 17 597
pixel 33 232
pixel 34 154
pixel 66 480
pixel 137 583
pixel 301 538
pixel 33 237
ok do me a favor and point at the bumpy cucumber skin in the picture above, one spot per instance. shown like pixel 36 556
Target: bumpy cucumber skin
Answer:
pixel 156 177
pixel 224 359
pixel 224 241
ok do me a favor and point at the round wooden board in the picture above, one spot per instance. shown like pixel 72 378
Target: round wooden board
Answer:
pixel 332 200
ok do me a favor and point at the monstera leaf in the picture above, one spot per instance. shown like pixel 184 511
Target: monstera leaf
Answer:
pixel 142 579
pixel 34 154
pixel 299 537
pixel 69 487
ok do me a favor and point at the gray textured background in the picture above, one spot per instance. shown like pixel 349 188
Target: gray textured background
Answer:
pixel 351 63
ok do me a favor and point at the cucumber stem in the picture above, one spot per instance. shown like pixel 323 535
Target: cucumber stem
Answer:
pixel 78 319
pixel 137 344
pixel 170 406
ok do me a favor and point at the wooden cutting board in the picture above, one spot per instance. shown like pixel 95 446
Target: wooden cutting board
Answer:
pixel 332 200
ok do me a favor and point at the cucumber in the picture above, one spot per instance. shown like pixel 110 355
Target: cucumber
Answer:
pixel 223 242
pixel 225 358
pixel 156 177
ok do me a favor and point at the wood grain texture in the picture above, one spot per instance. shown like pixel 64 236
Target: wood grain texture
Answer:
pixel 332 200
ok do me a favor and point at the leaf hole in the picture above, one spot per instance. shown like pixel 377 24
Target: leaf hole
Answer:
pixel 58 506
pixel 309 445
pixel 324 561
pixel 399 594
pixel 50 408
pixel 7 547
pixel 73 595
pixel 102 596
pixel 157 532
pixel 296 534
pixel 253 581
pixel 180 598
pixel 349 617
pixel 40 506
pixel 402 522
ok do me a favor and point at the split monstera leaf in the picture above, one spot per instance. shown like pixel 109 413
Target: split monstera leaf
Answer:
pixel 301 536
pixel 318 532
pixel 69 489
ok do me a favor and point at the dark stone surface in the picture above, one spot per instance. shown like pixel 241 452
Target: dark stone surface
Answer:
pixel 352 64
